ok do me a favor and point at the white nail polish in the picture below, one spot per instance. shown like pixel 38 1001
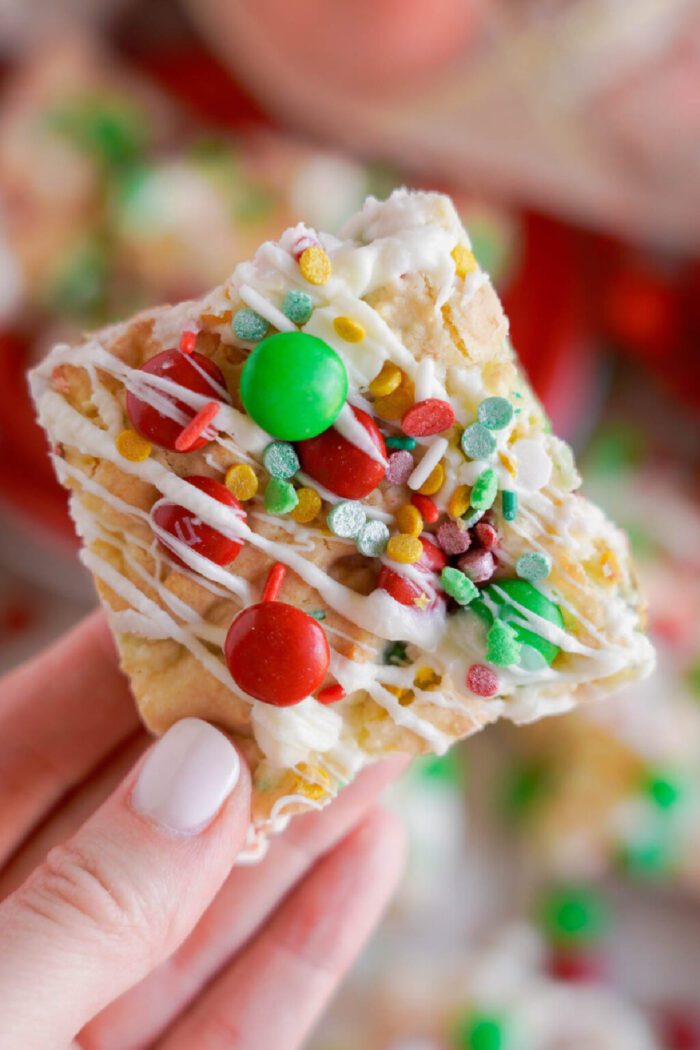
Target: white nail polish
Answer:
pixel 187 777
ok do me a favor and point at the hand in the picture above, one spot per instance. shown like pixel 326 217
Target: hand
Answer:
pixel 122 924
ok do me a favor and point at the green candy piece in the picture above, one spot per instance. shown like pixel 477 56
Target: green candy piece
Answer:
pixel 294 385
pixel 509 504
pixel 395 654
pixel 280 460
pixel 495 413
pixel 484 490
pixel 407 443
pixel 533 566
pixel 503 594
pixel 280 497
pixel 663 789
pixel 477 1031
pixel 478 442
pixel 446 769
pixel 346 519
pixel 572 916
pixel 646 860
pixel 297 306
pixel 318 614
pixel 372 539
pixel 249 325
pixel 502 645
pixel 458 585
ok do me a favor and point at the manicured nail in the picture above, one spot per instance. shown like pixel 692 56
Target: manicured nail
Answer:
pixel 187 777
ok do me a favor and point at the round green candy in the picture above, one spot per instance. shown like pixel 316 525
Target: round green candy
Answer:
pixel 280 497
pixel 478 442
pixel 503 593
pixel 458 585
pixel 346 519
pixel 477 1031
pixel 249 325
pixel 484 490
pixel 573 916
pixel 533 566
pixel 280 460
pixel 495 413
pixel 297 306
pixel 372 539
pixel 294 385
pixel 662 788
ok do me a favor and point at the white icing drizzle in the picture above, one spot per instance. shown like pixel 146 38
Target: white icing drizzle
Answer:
pixel 430 460
pixel 266 309
pixel 352 430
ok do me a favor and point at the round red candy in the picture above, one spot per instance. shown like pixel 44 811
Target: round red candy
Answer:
pixel 483 681
pixel 404 590
pixel 191 530
pixel 277 653
pixel 340 466
pixel 431 416
pixel 192 371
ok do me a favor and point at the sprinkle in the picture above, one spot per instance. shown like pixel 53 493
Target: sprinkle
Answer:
pixel 308 507
pixel 495 413
pixel 427 679
pixel 249 325
pixel 404 696
pixel 533 566
pixel 409 520
pixel 663 790
pixel 484 490
pixel 372 539
pixel 428 417
pixel 434 481
pixel 399 467
pixel 393 406
pixel 470 520
pixel 478 565
pixel 478 442
pixel 464 260
pixel 405 549
pixel 401 442
pixel 453 537
pixel 280 460
pixel 297 306
pixel 460 501
pixel 502 646
pixel 346 519
pixel 573 917
pixel 241 481
pixel 483 680
pixel 188 341
pixel 280 497
pixel 487 535
pixel 457 585
pixel 196 427
pixel 422 477
pixel 349 330
pixel 132 446
pixel 331 694
pixel 509 504
pixel 395 654
pixel 387 380
pixel 427 508
pixel 318 614
pixel 273 584
pixel 315 265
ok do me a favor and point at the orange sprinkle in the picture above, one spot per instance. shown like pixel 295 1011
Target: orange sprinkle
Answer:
pixel 331 694
pixel 186 439
pixel 275 579
pixel 188 341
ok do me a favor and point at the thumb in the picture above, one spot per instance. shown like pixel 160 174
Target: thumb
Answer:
pixel 110 904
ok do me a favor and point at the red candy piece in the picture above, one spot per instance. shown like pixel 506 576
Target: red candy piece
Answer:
pixel 195 429
pixel 479 565
pixel 193 372
pixel 432 559
pixel 340 466
pixel 483 681
pixel 487 535
pixel 428 417
pixel 680 1030
pixel 188 341
pixel 331 694
pixel 428 511
pixel 277 653
pixel 406 591
pixel 189 529
pixel 575 966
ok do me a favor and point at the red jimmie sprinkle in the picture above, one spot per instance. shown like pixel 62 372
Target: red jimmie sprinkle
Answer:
pixel 302 244
pixel 275 579
pixel 331 694
pixel 196 427
pixel 482 680
pixel 428 511
pixel 428 417
pixel 188 341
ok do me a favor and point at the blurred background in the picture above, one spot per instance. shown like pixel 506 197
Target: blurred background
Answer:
pixel 552 898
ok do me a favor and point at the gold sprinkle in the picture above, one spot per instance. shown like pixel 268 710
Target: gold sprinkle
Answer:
pixel 464 260
pixel 241 481
pixel 459 501
pixel 132 446
pixel 315 265
pixel 404 549
pixel 396 404
pixel 308 507
pixel 434 481
pixel 409 520
pixel 349 330
pixel 387 380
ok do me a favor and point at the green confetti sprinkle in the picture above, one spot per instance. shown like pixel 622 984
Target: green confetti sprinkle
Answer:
pixel 509 504
pixel 573 916
pixel 395 655
pixel 662 789
pixel 502 645
pixel 484 490
pixel 297 306
pixel 407 443
pixel 249 325
pixel 346 519
pixel 318 614
pixel 523 787
pixel 477 1031
pixel 280 497
pixel 445 768
pixel 495 413
pixel 533 566
pixel 458 585
pixel 478 442
pixel 280 460
pixel 372 539
pixel 649 859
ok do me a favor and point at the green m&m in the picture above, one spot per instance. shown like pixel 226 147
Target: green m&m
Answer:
pixel 294 385
pixel 507 595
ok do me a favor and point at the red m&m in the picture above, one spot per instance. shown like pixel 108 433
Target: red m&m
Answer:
pixel 163 417
pixel 193 532
pixel 407 591
pixel 431 416
pixel 341 467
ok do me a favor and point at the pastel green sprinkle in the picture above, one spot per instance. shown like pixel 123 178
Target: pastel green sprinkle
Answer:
pixel 663 789
pixel 318 614
pixel 249 325
pixel 502 645
pixel 395 655
pixel 479 1031
pixel 297 306
pixel 573 916
pixel 346 519
pixel 645 860
pixel 484 490
pixel 478 442
pixel 280 460
pixel 458 585
pixel 280 497
pixel 509 504
pixel 533 566
pixel 495 413
pixel 407 443
pixel 372 539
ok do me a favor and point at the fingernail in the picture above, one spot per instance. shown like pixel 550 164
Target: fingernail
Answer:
pixel 187 777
